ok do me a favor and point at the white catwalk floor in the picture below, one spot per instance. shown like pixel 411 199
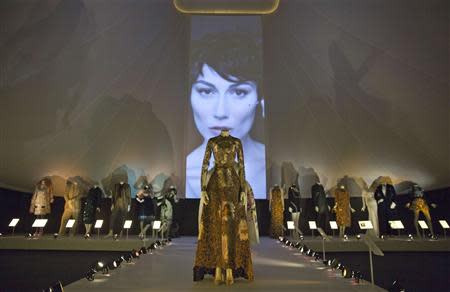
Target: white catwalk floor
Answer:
pixel 170 269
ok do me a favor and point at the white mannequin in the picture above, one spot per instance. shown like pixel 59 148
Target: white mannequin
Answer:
pixel 369 201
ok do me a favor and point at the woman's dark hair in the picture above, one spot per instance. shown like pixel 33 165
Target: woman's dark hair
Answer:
pixel 231 54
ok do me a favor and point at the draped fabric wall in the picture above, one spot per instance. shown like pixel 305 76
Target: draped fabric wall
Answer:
pixel 98 89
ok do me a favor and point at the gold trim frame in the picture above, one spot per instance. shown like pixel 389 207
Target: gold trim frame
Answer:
pixel 226 6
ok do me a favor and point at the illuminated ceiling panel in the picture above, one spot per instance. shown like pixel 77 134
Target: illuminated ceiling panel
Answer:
pixel 226 6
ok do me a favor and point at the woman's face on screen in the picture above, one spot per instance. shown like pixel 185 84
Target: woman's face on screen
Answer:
pixel 218 103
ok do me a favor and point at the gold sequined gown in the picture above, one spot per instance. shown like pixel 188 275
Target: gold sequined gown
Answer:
pixel 343 215
pixel 223 239
pixel 276 212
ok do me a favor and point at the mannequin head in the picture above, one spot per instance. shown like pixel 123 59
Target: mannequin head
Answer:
pixel 173 189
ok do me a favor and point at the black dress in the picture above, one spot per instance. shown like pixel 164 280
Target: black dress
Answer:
pixel 92 202
pixel 145 209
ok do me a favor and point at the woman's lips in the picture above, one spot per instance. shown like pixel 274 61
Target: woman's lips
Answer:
pixel 219 128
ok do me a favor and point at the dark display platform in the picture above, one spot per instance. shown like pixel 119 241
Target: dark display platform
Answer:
pixel 78 243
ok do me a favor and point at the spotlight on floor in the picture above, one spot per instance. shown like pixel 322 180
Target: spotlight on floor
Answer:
pixel 99 266
pixel 346 273
pixel 297 245
pixel 143 250
pixel 396 287
pixel 345 237
pixel 151 248
pixel 301 237
pixel 90 276
pixel 334 263
pixel 113 265
pixel 357 276
pixel 281 238
pixel 116 236
pixel 317 256
pixel 55 235
pixel 382 237
pixel 358 236
pixel 135 254
pixel 303 249
pixel 158 243
pixel 55 288
pixel 410 237
pixel 128 258
pixel 28 235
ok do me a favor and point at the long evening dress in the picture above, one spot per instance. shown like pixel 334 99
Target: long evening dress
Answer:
pixel 223 239
pixel 276 212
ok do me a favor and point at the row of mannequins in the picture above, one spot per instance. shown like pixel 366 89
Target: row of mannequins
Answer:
pixel 149 206
pixel 380 205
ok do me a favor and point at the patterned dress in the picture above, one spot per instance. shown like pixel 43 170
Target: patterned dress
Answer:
pixel 276 212
pixel 223 239
pixel 343 216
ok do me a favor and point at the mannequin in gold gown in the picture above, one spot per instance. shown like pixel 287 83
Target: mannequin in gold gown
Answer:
pixel 223 241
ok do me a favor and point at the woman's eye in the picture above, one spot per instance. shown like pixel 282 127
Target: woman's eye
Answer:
pixel 239 92
pixel 205 91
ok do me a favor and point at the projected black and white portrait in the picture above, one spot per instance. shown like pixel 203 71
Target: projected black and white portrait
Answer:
pixel 226 93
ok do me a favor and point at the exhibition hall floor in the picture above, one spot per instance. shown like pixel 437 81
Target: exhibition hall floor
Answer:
pixel 170 269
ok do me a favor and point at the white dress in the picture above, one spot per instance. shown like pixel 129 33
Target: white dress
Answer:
pixel 372 207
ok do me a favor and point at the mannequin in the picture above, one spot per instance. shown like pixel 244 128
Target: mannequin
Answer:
pixel 223 242
pixel 320 205
pixel 72 207
pixel 294 208
pixel 121 200
pixel 252 219
pixel 369 202
pixel 41 200
pixel 385 195
pixel 342 208
pixel 165 204
pixel 145 209
pixel 91 206
pixel 276 208
pixel 419 204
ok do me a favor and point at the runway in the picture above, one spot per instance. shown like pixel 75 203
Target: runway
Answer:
pixel 170 269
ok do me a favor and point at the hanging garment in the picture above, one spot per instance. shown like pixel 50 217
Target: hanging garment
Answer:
pixel 93 201
pixel 385 196
pixel 320 201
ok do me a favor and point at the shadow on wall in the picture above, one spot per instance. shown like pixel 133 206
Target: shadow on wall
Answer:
pixel 126 131
pixel 121 174
pixel 289 176
pixel 59 183
pixel 30 88
pixel 308 177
